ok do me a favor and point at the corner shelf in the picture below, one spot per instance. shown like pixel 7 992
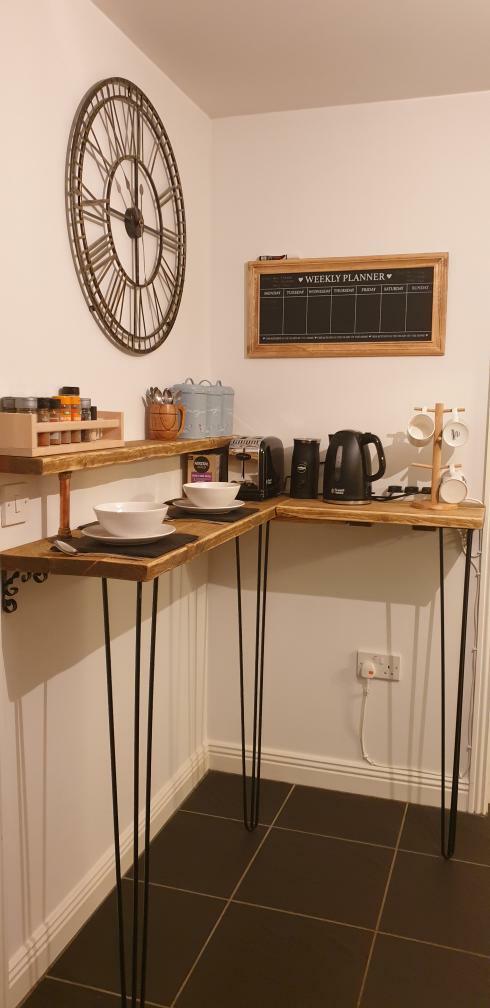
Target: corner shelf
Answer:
pixel 131 451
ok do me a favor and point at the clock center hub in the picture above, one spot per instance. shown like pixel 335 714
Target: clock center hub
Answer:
pixel 134 222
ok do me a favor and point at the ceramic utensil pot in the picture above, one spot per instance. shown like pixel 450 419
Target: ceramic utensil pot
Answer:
pixel 455 432
pixel 165 421
pixel 453 488
pixel 421 427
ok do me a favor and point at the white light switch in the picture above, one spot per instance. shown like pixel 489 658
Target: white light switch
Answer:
pixel 14 508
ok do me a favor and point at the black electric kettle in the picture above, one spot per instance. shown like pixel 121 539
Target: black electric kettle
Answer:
pixel 348 477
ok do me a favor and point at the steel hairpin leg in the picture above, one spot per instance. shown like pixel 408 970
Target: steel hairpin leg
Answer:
pixel 115 804
pixel 251 814
pixel 447 848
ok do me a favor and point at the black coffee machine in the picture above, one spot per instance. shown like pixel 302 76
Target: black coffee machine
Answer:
pixel 305 468
pixel 348 477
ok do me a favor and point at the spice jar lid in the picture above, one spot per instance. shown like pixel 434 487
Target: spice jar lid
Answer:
pixel 54 402
pixel 85 403
pixel 69 390
pixel 26 402
pixel 8 403
pixel 43 403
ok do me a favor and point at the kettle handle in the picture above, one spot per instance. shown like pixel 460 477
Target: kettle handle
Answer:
pixel 374 439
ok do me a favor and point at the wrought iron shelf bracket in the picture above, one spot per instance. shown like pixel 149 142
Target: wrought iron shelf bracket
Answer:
pixel 10 589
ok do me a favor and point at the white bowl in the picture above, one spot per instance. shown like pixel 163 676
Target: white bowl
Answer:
pixel 131 518
pixel 210 495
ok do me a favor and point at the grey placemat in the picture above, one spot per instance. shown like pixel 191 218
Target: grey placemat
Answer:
pixel 145 551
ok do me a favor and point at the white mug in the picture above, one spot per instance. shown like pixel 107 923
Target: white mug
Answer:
pixel 453 488
pixel 421 428
pixel 455 433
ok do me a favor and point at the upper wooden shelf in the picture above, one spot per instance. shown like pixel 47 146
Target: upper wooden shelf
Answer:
pixel 131 451
pixel 466 516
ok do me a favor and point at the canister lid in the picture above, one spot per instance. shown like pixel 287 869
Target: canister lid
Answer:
pixel 8 403
pixel 306 440
pixel 69 390
pixel 43 403
pixel 26 403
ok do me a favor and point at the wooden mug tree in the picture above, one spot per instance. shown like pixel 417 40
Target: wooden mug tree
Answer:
pixel 435 504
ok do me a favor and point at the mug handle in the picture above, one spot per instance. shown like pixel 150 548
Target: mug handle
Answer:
pixel 181 410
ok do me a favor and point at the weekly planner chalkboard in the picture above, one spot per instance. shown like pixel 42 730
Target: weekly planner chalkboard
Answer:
pixel 381 305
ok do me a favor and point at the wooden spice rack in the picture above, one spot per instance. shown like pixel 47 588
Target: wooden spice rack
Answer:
pixel 19 434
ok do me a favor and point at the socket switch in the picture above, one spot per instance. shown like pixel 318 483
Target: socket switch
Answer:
pixel 382 666
pixel 14 504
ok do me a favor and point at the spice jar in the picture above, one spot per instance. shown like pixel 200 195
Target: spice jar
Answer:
pixel 26 404
pixel 94 434
pixel 73 393
pixel 43 416
pixel 55 417
pixel 85 407
pixel 65 417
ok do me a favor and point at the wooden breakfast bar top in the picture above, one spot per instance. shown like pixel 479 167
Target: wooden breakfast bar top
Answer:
pixel 389 512
pixel 39 557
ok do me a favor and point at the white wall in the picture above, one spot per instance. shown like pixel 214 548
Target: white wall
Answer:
pixel 393 177
pixel 55 809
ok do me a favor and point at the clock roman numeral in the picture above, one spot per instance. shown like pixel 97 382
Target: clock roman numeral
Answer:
pixel 100 257
pixel 115 293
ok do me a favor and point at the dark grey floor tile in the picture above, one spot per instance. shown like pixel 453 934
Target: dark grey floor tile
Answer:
pixel 221 794
pixel 406 973
pixel 446 902
pixel 203 854
pixel 273 960
pixel 178 927
pixel 335 813
pixel 421 832
pixel 335 879
pixel 53 994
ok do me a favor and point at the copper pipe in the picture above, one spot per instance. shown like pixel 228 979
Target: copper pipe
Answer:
pixel 65 479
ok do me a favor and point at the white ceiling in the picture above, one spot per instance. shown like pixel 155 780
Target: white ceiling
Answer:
pixel 234 57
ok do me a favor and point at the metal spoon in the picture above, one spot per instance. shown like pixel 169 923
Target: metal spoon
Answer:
pixel 65 547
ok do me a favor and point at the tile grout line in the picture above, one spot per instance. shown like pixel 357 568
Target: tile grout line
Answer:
pixel 225 908
pixel 424 941
pixel 98 990
pixel 332 836
pixel 297 913
pixel 380 913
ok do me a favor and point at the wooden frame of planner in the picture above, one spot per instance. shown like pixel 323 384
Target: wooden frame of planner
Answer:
pixel 434 347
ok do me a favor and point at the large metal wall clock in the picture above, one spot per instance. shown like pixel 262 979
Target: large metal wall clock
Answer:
pixel 126 216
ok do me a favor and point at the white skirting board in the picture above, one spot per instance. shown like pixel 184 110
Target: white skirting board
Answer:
pixel 32 960
pixel 419 786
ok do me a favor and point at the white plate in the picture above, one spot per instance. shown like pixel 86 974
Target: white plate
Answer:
pixel 185 505
pixel 102 535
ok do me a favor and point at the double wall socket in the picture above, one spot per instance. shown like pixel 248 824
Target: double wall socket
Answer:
pixel 373 665
pixel 14 504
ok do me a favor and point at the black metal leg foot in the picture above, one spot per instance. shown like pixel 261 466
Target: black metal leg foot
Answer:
pixel 149 742
pixel 448 845
pixel 251 808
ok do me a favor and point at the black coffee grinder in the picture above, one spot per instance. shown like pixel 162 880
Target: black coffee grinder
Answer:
pixel 305 468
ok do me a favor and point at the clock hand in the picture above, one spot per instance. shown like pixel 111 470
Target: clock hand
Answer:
pixel 142 240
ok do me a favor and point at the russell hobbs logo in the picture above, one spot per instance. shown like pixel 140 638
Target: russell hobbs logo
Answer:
pixel 338 491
